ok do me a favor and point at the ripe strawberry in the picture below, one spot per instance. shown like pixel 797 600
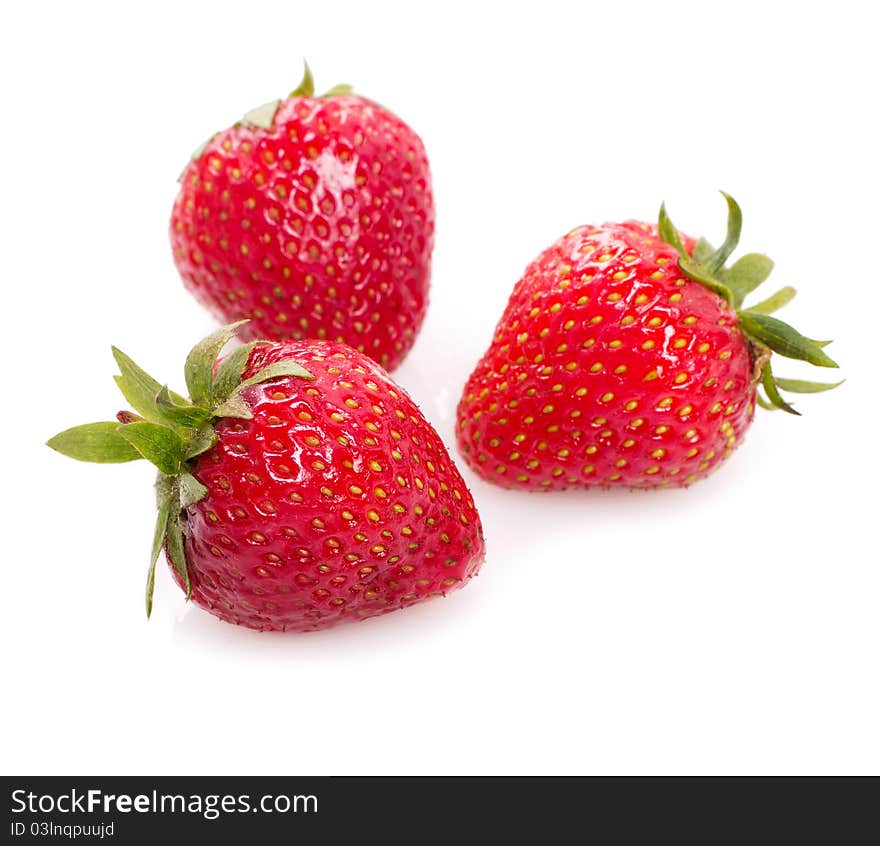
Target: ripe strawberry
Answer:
pixel 625 357
pixel 299 488
pixel 314 217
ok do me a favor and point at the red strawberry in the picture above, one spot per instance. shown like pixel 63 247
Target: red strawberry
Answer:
pixel 625 357
pixel 299 488
pixel 314 217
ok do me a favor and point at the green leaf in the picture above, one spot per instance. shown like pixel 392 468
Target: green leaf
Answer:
pixel 163 501
pixel 188 416
pixel 306 88
pixel 338 90
pixel 174 539
pixel 198 442
pixel 702 251
pixel 734 227
pixel 764 403
pixel 669 233
pixel 229 373
pixel 769 384
pixel 199 367
pixel 191 489
pixel 820 343
pixel 141 389
pixel 158 444
pixel 287 367
pixel 799 386
pixel 263 117
pixel 746 274
pixel 699 274
pixel 775 302
pixel 137 386
pixel 151 582
pixel 235 406
pixel 782 338
pixel 97 442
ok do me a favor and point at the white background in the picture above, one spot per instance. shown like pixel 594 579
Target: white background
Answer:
pixel 728 628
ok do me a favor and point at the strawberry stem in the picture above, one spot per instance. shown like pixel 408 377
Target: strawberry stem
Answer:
pixel 763 332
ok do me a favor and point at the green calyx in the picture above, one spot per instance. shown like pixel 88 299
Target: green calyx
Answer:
pixel 263 117
pixel 765 333
pixel 170 430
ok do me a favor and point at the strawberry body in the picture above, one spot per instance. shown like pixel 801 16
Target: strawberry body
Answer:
pixel 337 501
pixel 319 224
pixel 608 367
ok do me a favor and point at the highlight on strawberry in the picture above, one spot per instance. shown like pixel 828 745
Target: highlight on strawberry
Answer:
pixel 627 357
pixel 314 217
pixel 298 486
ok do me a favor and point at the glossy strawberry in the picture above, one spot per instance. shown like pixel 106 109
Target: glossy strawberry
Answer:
pixel 299 488
pixel 314 218
pixel 625 358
